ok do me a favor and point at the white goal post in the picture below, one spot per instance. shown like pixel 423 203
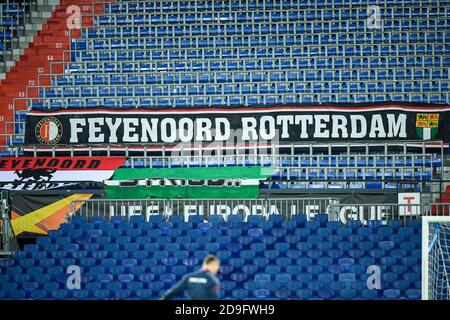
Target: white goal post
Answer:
pixel 435 258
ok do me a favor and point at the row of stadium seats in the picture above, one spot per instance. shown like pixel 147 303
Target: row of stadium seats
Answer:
pixel 222 48
pixel 136 291
pixel 367 175
pixel 195 42
pixel 249 59
pixel 122 32
pixel 347 7
pixel 301 172
pixel 333 186
pixel 419 67
pixel 327 21
pixel 222 100
pixel 232 89
pixel 261 258
pixel 147 70
pixel 376 161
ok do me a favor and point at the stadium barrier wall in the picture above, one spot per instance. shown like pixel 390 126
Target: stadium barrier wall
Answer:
pixel 288 207
pixel 205 207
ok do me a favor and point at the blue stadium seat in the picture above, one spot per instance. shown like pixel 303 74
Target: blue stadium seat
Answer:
pixel 146 277
pixel 391 294
pixel 369 294
pixel 144 294
pixel 261 294
pixel 315 285
pixel 254 220
pixel 300 220
pixel 239 293
pixel 228 285
pixel 347 275
pixel 156 219
pixel 323 232
pixel 386 245
pixel 100 294
pixel 385 232
pixel 326 293
pixel 137 220
pixel 276 219
pixel 215 219
pixel 78 220
pixel 303 233
pixel 374 224
pixel 261 262
pixel 399 268
pixel 38 295
pixel 314 269
pixel 249 269
pixel 235 219
pixel 114 286
pixel 195 219
pixel 322 219
pixel 122 294
pixel 312 225
pixel 258 247
pixel 304 294
pixel 247 254
pixel 283 294
pixel 413 294
pixel 411 277
pixel 415 224
pixel 347 293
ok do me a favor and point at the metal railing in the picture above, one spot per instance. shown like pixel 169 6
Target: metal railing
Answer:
pixel 185 16
pixel 400 148
pixel 287 207
pixel 320 161
pixel 204 207
pixel 357 184
pixel 390 211
pixel 241 5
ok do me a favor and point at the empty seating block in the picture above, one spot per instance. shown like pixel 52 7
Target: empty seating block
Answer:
pixel 294 259
pixel 159 54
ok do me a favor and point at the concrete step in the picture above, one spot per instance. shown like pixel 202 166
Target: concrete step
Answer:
pixel 33 27
pixel 18 51
pixel 10 64
pixel 26 39
pixel 48 2
pixel 44 14
pixel 38 21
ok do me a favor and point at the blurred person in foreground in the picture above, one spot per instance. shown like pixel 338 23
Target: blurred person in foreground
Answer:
pixel 199 285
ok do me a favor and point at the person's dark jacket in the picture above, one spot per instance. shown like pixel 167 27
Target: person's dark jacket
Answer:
pixel 199 285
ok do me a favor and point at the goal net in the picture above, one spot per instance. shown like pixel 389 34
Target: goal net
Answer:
pixel 435 258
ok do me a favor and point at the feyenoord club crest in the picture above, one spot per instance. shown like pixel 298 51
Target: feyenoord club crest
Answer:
pixel 49 130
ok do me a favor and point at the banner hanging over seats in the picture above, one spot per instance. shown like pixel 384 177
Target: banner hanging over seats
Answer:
pixel 39 173
pixel 186 183
pixel 285 124
pixel 33 215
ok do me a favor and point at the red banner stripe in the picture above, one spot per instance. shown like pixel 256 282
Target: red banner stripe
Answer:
pixel 61 163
